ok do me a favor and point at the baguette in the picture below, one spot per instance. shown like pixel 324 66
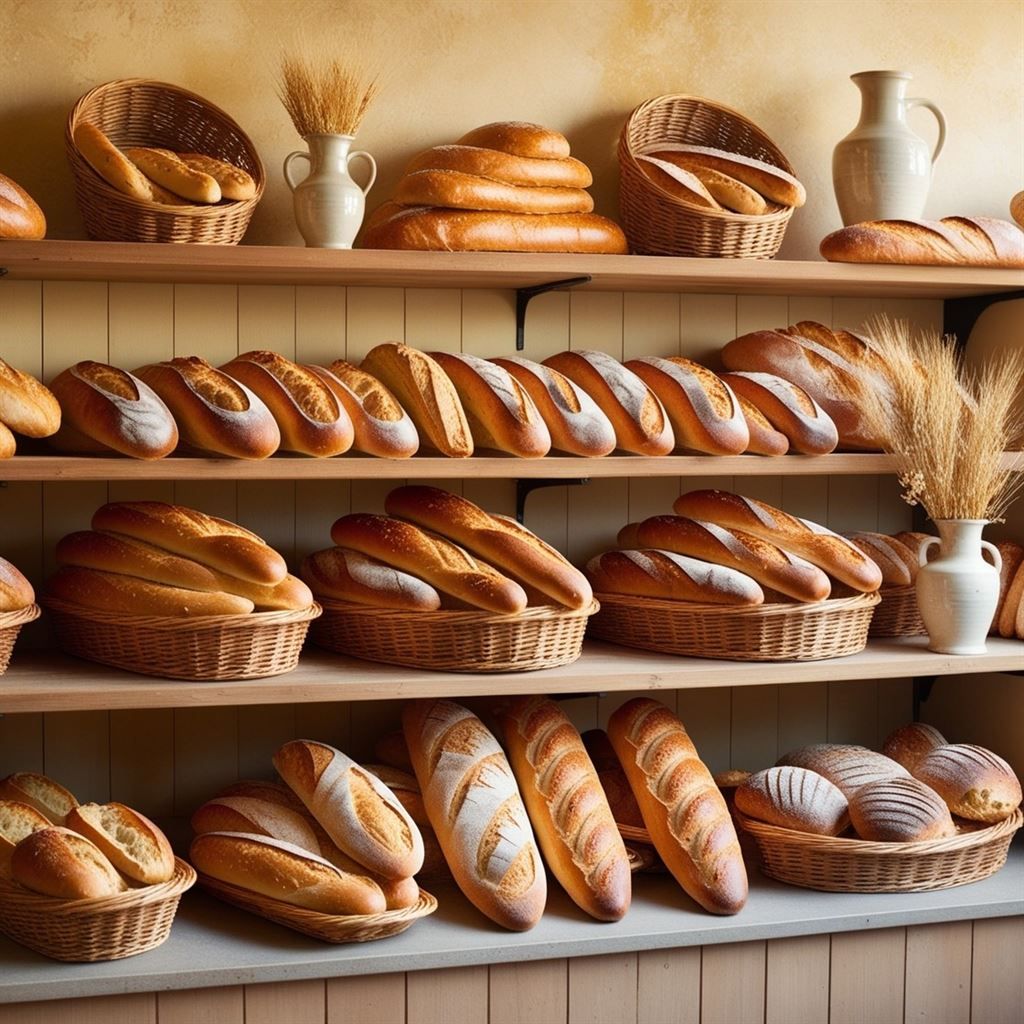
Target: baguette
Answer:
pixel 110 163
pixel 20 215
pixel 344 575
pixel 566 172
pixel 255 816
pixel 57 862
pixel 520 138
pixel 1012 557
pixel 795 798
pixel 621 798
pixel 677 182
pixel 164 167
pixel 899 811
pixel 684 811
pixel 234 182
pixel 26 406
pixel 39 792
pixel 8 443
pixel 17 820
pixel 1011 614
pixel 730 192
pixel 895 560
pixel 15 591
pixel 910 743
pixel 461 191
pixel 974 782
pixel 130 841
pixel 764 438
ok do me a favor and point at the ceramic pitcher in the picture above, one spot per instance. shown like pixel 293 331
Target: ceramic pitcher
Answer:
pixel 882 170
pixel 957 592
pixel 329 205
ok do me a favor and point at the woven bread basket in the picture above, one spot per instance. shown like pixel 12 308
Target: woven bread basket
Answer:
pixel 10 627
pixel 767 632
pixel 336 928
pixel 659 224
pixel 206 648
pixel 459 641
pixel 142 112
pixel 857 865
pixel 897 614
pixel 81 931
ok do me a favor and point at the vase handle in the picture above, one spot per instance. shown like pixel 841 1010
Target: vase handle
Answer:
pixel 287 168
pixel 373 168
pixel 926 546
pixel 997 559
pixel 939 116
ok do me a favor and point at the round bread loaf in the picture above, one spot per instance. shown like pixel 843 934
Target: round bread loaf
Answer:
pixel 899 811
pixel 26 406
pixel 520 138
pixel 345 575
pixel 38 791
pixel 795 798
pixel 975 783
pixel 15 591
pixel 460 191
pixel 20 216
pixel 58 862
pixel 129 840
pixel 910 743
pixel 847 767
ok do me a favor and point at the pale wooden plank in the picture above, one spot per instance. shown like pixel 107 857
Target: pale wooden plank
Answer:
pixel 372 999
pixel 205 754
pixel 706 323
pixel 488 325
pixel 372 316
pixel 760 313
pixel 142 760
pixel 266 318
pixel 76 752
pixel 895 707
pixel 867 976
pixel 21 325
pixel 137 1008
pixel 938 972
pixel 755 715
pixel 732 983
pixel 206 321
pixel 707 716
pixel 796 980
pixel 602 989
pixel 74 324
pixel 997 981
pixel 809 307
pixel 433 319
pixel 21 743
pixel 202 1006
pixel 297 1002
pixel 320 315
pixel 439 997
pixel 668 986
pixel 529 993
pixel 803 715
pixel 141 324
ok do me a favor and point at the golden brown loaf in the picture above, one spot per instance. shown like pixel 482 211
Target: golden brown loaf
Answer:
pixel 820 546
pixel 26 406
pixel 730 192
pixel 507 545
pixel 46 796
pixel 128 839
pixel 1011 614
pixel 164 167
pixel 910 743
pixel 896 561
pixel 214 413
pixel 8 443
pixel 795 798
pixel 1017 208
pixel 17 820
pixel 461 191
pixel 474 805
pixel 20 215
pixel 975 783
pixel 58 862
pixel 1012 556
pixel 444 565
pixel 15 591
pixel 345 575
pixel 234 182
pixel 621 798
pixel 847 767
pixel 110 163
pixel 678 183
pixel 683 809
pixel 764 438
pixel 520 138
pixel 899 811
pixel 858 352
pixel 568 809
pixel 255 816
pixel 567 172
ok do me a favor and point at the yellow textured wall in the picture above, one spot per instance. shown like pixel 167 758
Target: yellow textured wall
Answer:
pixel 576 65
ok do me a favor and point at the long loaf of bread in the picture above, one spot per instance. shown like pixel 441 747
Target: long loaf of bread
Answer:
pixel 567 172
pixel 459 190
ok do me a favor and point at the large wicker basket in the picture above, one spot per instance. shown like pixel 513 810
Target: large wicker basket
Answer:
pixel 82 931
pixel 141 112
pixel 462 641
pixel 856 865
pixel 207 648
pixel 768 632
pixel 10 627
pixel 898 614
pixel 659 224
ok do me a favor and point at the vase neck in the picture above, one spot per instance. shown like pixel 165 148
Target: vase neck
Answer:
pixel 882 96
pixel 960 535
pixel 329 149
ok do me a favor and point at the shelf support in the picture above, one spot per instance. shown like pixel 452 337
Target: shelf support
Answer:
pixel 523 296
pixel 922 691
pixel 524 488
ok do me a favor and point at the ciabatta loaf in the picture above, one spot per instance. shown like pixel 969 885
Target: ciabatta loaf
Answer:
pixel 975 783
pixel 345 575
pixel 40 792
pixel 847 767
pixel 899 811
pixel 908 744
pixel 58 862
pixel 795 798
pixel 130 841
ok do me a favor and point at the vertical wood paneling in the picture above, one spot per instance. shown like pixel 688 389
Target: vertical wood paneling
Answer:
pixel 320 323
pixel 21 325
pixel 803 715
pixel 853 712
pixel 21 744
pixel 128 1009
pixel 602 989
pixel 372 316
pixel 439 997
pixel 938 973
pixel 202 1006
pixel 76 752
pixel 143 740
pixel 294 1002
pixel 433 319
pixel 707 715
pixel 205 754
pixel 796 980
pixel 668 986
pixel 373 999
pixel 141 326
pixel 529 993
pixel 706 323
pixel 867 977
pixel 732 984
pixel 997 981
pixel 755 735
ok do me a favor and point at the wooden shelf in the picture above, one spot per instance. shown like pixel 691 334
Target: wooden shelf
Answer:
pixel 55 260
pixel 45 682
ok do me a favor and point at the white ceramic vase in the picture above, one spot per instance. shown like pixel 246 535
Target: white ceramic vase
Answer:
pixel 882 170
pixel 329 205
pixel 957 592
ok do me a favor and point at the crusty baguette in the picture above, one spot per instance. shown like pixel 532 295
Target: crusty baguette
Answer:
pixel 473 802
pixel 683 809
pixel 257 816
pixel 110 163
pixel 795 798
pixel 27 406
pixel 975 783
pixel 899 811
pixel 845 766
pixel 910 743
pixel 461 191
pixel 46 796
pixel 235 183
pixel 15 591
pixel 345 575
pixel 520 138
pixel 895 560
pixel 677 182
pixel 164 167
pixel 130 841
pixel 731 193
pixel 621 798
pixel 17 820
pixel 764 438
pixel 567 172
pixel 58 862
pixel 1011 614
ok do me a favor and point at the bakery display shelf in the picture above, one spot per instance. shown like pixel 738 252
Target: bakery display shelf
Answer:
pixel 49 682
pixel 212 944
pixel 57 260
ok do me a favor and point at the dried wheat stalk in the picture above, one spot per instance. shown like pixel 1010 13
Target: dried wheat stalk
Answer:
pixel 325 95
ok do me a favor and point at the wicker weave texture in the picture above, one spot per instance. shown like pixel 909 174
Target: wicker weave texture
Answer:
pixel 460 641
pixel 898 614
pixel 10 627
pixel 209 648
pixel 83 931
pixel 771 632
pixel 659 224
pixel 142 112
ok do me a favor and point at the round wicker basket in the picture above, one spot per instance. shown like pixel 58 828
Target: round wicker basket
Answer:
pixel 898 614
pixel 656 222
pixel 142 112
pixel 10 627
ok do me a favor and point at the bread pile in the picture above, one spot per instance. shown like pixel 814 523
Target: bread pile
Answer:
pixel 26 407
pixel 20 215
pixel 504 187
pixel 53 845
pixel 15 591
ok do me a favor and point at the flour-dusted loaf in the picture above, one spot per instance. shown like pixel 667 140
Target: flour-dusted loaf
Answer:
pixel 684 811
pixel 908 744
pixel 341 574
pixel 256 815
pixel 764 438
pixel 15 591
pixel 130 841
pixel 27 406
pixel 896 561
pixel 58 862
pixel 976 783
pixel 40 792
pixel 474 804
pixel 848 767
pixel 795 798
pixel 899 811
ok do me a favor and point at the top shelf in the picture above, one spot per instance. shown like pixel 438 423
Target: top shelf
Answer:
pixel 55 260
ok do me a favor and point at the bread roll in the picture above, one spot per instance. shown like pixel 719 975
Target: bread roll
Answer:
pixel 566 172
pixel 15 591
pixel 458 190
pixel 641 424
pixel 46 796
pixel 474 805
pixel 110 163
pixel 975 783
pixel 678 183
pixel 255 816
pixel 214 413
pixel 895 560
pixel 499 410
pixel 621 798
pixel 1012 557
pixel 795 798
pixel 17 820
pixel 345 575
pixel 163 167
pixel 846 767
pixel 683 809
pixel 568 809
pixel 234 182
pixel 58 862
pixel 520 138
pixel 25 405
pixel 426 393
pixel 1011 614
pixel 899 811
pixel 701 407
pixel 908 744
pixel 764 438
pixel 130 841
pixel 20 215
pixel 359 813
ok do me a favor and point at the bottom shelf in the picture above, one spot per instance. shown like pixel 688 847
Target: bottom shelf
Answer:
pixel 213 944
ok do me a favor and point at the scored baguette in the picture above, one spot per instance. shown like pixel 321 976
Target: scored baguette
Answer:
pixel 57 862
pixel 235 183
pixel 764 438
pixel 345 575
pixel 110 163
pixel 164 167
pixel 677 182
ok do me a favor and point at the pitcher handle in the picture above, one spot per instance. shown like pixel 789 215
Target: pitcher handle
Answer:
pixel 297 155
pixel 939 116
pixel 373 168
pixel 997 559
pixel 926 545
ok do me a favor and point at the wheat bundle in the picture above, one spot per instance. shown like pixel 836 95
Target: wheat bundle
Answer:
pixel 325 95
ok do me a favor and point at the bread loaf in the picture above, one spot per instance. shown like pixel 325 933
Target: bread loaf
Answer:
pixel 8 443
pixel 164 167
pixel 234 182
pixel 39 792
pixel 566 172
pixel 110 163
pixel 256 816
pixel 214 413
pixel 764 438
pixel 520 138
pixel 1011 614
pixel 855 350
pixel 621 798
pixel 1017 208
pixel 500 412
pixel 58 862
pixel 683 809
pixel 129 840
pixel 899 811
pixel 678 183
pixel 345 575
pixel 896 561
pixel 795 798
pixel 975 783
pixel 908 744
pixel 846 767
pixel 17 820
pixel 952 241
pixel 1012 557
pixel 461 191
pixel 820 546
pixel 26 406
pixel 474 805
pixel 15 591
pixel 730 192
pixel 20 215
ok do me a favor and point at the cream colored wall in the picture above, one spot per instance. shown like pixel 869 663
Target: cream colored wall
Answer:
pixel 576 65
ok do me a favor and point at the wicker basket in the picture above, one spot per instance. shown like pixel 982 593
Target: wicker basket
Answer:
pixel 856 865
pixel 768 632
pixel 460 641
pixel 81 931
pixel 336 928
pixel 208 648
pixel 659 224
pixel 141 112
pixel 898 614
pixel 10 627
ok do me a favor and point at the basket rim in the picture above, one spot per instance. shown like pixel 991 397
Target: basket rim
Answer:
pixel 171 623
pixel 462 617
pixel 831 606
pixel 20 616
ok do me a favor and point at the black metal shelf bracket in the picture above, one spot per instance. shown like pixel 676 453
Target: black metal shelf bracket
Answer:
pixel 524 488
pixel 922 691
pixel 523 296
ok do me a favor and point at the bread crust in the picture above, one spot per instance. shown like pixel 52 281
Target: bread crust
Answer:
pixel 26 406
pixel 164 167
pixel 15 591
pixel 520 138
pixel 20 215
pixel 128 839
pixel 111 164
pixel 566 172
pixel 795 798
pixel 57 862
pixel 899 811
pixel 847 767
pixel 908 744
pixel 459 190
pixel 975 783
pixel 764 438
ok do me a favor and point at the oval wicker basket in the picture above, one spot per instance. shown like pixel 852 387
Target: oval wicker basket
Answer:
pixel 10 627
pixel 767 632
pixel 207 648
pixel 82 931
pixel 857 865
pixel 336 928
pixel 461 641
pixel 656 222
pixel 898 614
pixel 142 112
